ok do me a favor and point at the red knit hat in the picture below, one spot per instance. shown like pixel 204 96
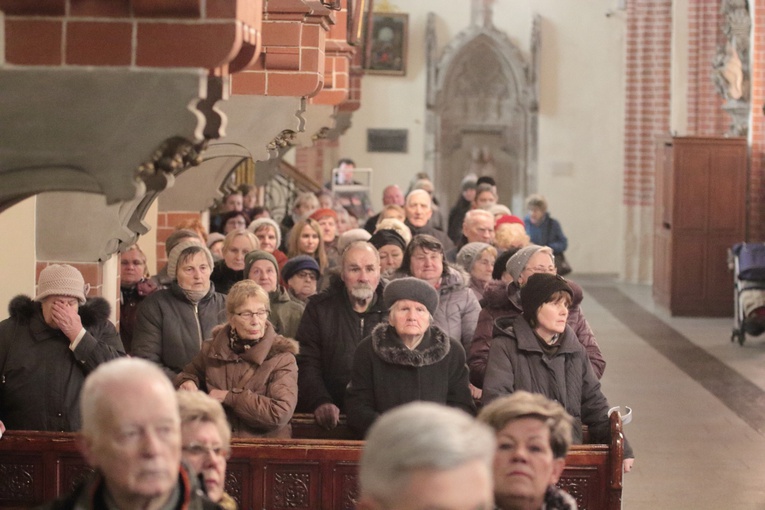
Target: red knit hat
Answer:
pixel 323 213
pixel 506 218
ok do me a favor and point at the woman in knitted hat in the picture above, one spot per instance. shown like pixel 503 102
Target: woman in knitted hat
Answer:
pixel 406 359
pixel 270 236
pixel 47 347
pixel 478 260
pixel 301 275
pixel 230 269
pixel 247 367
pixel 261 267
pixel 538 352
pixel 172 323
pixel 390 245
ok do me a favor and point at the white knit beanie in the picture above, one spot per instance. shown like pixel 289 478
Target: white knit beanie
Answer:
pixel 61 280
pixel 256 224
pixel 175 254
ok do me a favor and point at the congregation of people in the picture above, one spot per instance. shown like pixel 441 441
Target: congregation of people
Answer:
pixel 405 323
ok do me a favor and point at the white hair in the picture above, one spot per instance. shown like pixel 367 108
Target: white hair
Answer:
pixel 419 435
pixel 416 192
pixel 397 225
pixel 474 214
pixel 127 372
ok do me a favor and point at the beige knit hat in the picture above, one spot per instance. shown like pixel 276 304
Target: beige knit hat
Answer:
pixel 61 280
pixel 175 254
pixel 517 262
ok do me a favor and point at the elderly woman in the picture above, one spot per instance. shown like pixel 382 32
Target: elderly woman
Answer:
pixel 478 260
pixel 301 276
pixel 390 245
pixel 234 220
pixel 270 237
pixel 458 307
pixel 247 367
pixel 533 437
pixel 205 435
pixel 542 228
pixel 173 323
pixel 135 285
pixel 406 359
pixel 230 269
pixel 538 352
pixel 47 347
pixel 261 267
pixel 305 239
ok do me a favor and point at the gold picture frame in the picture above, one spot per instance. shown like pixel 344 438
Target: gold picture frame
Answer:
pixel 388 41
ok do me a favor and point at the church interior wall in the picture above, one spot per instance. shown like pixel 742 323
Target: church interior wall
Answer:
pixel 17 258
pixel 581 121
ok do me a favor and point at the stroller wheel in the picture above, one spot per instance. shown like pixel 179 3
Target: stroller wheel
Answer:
pixel 739 336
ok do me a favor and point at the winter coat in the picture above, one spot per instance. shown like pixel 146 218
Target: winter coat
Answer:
pixel 40 376
pixel 89 494
pixel 130 297
pixel 457 217
pixel 386 374
pixel 518 362
pixel 458 308
pixel 504 300
pixel 547 233
pixel 261 382
pixel 430 230
pixel 170 328
pixel 223 277
pixel 328 335
pixel 285 312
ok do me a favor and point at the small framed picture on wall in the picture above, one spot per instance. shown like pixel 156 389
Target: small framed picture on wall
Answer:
pixel 387 45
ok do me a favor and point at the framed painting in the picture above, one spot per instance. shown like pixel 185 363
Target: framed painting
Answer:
pixel 387 44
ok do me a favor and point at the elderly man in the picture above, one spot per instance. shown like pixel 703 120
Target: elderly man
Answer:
pixel 392 195
pixel 425 456
pixel 333 324
pixel 131 436
pixel 419 210
pixel 504 300
pixel 477 227
pixel 47 348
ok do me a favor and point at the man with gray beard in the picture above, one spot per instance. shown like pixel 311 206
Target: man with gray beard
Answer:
pixel 333 324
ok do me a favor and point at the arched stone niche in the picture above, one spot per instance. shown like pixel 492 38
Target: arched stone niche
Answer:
pixel 482 112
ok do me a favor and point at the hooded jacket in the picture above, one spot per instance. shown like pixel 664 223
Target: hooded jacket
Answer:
pixel 386 374
pixel 328 335
pixel 501 299
pixel 261 382
pixel 170 329
pixel 458 308
pixel 40 376
pixel 518 362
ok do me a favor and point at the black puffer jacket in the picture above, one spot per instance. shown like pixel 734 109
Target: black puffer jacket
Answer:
pixel 386 374
pixel 40 376
pixel 328 335
pixel 170 329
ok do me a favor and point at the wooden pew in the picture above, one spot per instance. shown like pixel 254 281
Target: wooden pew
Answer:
pixel 276 474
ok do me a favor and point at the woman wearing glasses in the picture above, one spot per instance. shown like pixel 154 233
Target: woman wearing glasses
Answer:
pixel 247 367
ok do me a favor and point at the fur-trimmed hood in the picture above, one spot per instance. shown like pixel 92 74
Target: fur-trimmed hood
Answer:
pixel 457 279
pixel 389 347
pixel 94 311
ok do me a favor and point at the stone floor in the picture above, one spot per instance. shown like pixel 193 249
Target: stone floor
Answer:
pixel 698 401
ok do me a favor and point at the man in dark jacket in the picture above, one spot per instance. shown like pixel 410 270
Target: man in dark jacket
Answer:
pixel 419 210
pixel 131 436
pixel 333 324
pixel 47 348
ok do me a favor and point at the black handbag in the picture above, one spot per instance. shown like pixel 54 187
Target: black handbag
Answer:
pixel 561 264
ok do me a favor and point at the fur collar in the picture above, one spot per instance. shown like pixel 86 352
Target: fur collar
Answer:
pixel 95 310
pixel 389 347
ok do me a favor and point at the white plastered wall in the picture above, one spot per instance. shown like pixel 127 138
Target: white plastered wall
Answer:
pixel 17 258
pixel 581 118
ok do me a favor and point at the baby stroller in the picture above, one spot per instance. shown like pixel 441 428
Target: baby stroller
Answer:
pixel 748 263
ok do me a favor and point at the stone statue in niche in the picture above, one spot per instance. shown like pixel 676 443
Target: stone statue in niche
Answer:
pixel 730 66
pixel 482 162
pixel 729 75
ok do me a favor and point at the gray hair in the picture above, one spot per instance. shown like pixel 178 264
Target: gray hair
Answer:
pixel 419 435
pixel 416 192
pixel 126 372
pixel 474 214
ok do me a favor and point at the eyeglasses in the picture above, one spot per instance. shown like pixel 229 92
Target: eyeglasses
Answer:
pixel 262 315
pixel 541 269
pixel 306 274
pixel 198 450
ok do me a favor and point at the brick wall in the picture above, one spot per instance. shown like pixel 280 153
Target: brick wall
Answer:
pixel 757 132
pixel 647 101
pixel 705 116
pixel 166 222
